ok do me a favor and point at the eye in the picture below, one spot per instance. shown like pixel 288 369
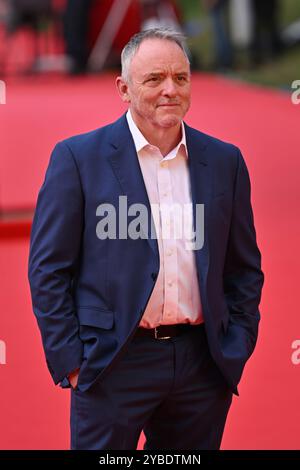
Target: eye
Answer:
pixel 153 79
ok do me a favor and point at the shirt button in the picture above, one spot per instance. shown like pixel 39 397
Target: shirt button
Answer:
pixel 169 252
pixel 170 283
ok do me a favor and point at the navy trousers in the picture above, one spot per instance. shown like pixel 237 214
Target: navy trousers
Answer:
pixel 171 389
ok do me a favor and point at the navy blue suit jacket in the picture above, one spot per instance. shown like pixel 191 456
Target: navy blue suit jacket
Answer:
pixel 89 294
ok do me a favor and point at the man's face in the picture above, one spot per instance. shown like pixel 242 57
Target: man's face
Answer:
pixel 159 85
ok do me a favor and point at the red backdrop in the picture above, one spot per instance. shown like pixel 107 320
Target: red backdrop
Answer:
pixel 39 112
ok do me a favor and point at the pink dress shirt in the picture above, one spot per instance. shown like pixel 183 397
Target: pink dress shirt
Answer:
pixel 175 297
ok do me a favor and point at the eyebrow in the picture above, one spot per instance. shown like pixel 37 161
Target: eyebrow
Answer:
pixel 155 74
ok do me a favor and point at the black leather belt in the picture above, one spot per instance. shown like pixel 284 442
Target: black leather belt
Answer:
pixel 167 331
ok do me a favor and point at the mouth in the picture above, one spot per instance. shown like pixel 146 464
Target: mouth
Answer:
pixel 168 105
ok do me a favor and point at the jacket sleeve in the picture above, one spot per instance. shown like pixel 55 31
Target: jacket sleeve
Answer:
pixel 53 261
pixel 242 277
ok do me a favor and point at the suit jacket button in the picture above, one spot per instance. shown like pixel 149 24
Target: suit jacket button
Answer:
pixel 154 276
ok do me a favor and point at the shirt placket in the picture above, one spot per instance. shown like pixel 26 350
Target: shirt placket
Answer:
pixel 169 249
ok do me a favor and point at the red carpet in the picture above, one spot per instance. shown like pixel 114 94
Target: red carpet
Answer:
pixel 265 124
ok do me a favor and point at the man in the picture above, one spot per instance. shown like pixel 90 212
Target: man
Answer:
pixel 151 331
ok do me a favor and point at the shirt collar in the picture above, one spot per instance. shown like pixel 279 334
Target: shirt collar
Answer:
pixel 140 141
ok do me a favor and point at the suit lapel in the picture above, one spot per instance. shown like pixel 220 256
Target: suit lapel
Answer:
pixel 201 189
pixel 125 164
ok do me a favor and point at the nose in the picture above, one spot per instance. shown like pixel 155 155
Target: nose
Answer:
pixel 169 87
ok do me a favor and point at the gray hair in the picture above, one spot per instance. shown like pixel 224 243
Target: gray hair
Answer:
pixel 134 43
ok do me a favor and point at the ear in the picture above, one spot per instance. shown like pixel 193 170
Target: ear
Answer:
pixel 122 88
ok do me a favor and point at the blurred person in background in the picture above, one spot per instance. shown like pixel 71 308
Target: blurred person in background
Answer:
pixel 76 27
pixel 222 44
pixel 266 42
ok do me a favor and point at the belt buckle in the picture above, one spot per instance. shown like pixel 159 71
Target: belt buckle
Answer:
pixel 159 337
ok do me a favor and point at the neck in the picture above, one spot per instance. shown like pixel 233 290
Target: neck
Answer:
pixel 163 138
